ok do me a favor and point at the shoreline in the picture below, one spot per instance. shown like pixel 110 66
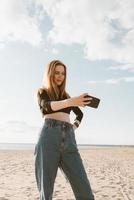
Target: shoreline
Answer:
pixel 31 146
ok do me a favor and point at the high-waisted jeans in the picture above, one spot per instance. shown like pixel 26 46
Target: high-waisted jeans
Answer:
pixel 57 147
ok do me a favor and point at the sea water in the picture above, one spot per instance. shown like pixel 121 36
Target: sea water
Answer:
pixel 31 146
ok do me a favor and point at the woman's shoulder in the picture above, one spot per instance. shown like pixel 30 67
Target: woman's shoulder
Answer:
pixel 68 95
pixel 42 91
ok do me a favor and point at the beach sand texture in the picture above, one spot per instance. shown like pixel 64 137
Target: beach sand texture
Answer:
pixel 110 171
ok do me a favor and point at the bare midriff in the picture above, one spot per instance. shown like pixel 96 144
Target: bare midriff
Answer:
pixel 59 116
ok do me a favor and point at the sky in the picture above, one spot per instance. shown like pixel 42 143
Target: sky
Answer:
pixel 94 39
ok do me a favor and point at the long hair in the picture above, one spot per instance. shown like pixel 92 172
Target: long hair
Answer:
pixel 53 90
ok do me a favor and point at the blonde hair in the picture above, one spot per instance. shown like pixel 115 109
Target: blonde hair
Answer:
pixel 53 90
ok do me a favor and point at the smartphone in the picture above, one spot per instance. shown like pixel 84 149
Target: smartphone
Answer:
pixel 94 101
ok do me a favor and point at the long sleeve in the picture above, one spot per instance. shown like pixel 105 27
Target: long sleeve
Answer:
pixel 48 106
pixel 79 115
pixel 44 102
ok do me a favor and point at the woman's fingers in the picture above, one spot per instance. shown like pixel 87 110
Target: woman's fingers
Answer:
pixel 82 100
pixel 87 100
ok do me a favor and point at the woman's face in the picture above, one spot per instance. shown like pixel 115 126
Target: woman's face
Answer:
pixel 59 74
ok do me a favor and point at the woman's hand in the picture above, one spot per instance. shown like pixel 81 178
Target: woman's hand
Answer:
pixel 79 100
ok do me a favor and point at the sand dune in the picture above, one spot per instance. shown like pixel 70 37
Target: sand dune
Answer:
pixel 110 171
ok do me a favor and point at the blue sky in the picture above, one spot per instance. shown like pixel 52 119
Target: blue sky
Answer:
pixel 95 39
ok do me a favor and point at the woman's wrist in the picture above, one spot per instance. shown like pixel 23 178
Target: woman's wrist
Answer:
pixel 76 124
pixel 71 102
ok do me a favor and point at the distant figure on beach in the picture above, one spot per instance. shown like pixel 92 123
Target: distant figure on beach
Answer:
pixel 57 146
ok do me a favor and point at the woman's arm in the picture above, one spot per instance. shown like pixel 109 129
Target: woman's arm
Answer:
pixel 71 102
pixel 53 105
pixel 79 116
pixel 50 106
pixel 57 105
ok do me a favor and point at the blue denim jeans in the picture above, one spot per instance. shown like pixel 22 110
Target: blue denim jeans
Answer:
pixel 57 147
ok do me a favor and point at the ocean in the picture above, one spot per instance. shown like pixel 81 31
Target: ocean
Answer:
pixel 31 146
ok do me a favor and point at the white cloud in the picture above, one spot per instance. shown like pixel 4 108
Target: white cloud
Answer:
pixel 55 51
pixel 105 27
pixel 113 80
pixel 16 23
pixel 129 79
pixel 129 66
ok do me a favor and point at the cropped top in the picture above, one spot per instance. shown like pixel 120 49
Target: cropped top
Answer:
pixel 44 103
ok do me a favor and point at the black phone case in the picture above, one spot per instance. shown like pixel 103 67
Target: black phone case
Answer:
pixel 94 102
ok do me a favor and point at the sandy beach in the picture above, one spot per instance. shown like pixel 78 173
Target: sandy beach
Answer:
pixel 110 171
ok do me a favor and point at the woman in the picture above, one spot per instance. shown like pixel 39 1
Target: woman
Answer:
pixel 56 146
